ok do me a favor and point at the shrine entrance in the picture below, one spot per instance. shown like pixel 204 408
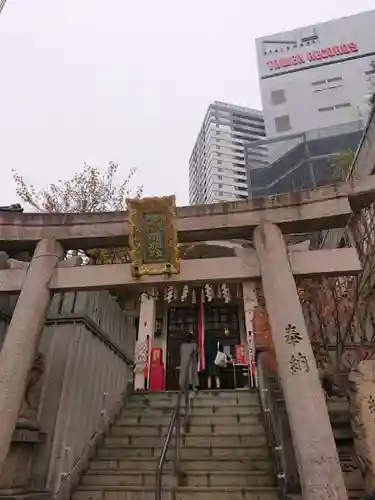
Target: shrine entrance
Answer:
pixel 181 319
pixel 221 324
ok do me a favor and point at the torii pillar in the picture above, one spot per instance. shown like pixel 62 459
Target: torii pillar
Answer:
pixel 21 340
pixel 316 454
pixel 146 330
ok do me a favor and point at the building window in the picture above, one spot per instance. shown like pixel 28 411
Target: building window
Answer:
pixel 335 79
pixel 220 193
pixel 318 82
pixel 220 177
pixel 220 185
pixel 325 89
pixel 337 106
pixel 326 108
pixel 282 123
pixel 278 97
pixel 343 105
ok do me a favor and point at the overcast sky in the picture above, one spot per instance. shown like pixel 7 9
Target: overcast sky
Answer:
pixel 129 80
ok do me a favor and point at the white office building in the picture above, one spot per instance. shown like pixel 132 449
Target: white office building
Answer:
pixel 217 170
pixel 318 76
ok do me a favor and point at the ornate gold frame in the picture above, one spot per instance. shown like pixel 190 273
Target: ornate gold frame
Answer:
pixel 136 208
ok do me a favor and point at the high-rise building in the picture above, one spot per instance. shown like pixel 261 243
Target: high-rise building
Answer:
pixel 317 76
pixel 217 170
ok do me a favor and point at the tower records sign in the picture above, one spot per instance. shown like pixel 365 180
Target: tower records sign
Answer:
pixel 313 56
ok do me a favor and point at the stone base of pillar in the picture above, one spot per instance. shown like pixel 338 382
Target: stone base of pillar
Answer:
pixel 28 431
pixel 15 477
pixel 139 381
pixel 14 494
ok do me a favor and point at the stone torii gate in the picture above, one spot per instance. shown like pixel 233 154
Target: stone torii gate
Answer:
pixel 263 221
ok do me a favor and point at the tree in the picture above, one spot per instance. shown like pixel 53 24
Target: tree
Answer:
pixel 341 164
pixel 88 191
pixel 371 78
pixel 340 312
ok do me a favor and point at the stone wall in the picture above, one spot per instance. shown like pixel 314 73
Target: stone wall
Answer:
pixel 6 308
pixel 87 347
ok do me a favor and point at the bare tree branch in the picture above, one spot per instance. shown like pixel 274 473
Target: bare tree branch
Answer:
pixel 344 306
pixel 88 191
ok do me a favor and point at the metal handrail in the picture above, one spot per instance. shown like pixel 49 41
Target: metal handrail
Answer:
pixel 274 438
pixel 175 422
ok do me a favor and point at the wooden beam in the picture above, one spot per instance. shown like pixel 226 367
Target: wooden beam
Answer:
pixel 338 262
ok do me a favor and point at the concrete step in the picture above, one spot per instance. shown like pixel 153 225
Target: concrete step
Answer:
pixel 355 494
pixel 209 441
pixel 225 430
pixel 207 464
pixel 342 433
pixel 148 478
pixel 181 493
pixel 205 403
pixel 240 409
pixel 249 399
pixel 203 450
pixel 204 394
pixel 204 418
pixel 230 440
pixel 193 430
pixel 352 494
pixel 159 411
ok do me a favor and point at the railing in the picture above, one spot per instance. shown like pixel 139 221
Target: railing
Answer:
pixel 175 423
pixel 272 427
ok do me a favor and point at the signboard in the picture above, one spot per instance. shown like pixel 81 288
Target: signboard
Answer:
pixel 312 56
pixel 153 236
pixel 337 40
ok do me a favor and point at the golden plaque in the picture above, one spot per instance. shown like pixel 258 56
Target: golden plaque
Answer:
pixel 153 236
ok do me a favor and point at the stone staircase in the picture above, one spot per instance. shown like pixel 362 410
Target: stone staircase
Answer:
pixel 338 409
pixel 224 451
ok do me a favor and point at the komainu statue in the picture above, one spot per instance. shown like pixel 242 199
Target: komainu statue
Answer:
pixel 29 406
pixel 361 392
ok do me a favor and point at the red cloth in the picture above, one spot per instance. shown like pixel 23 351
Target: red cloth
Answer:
pixel 201 339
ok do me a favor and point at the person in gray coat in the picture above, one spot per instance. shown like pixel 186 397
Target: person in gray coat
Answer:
pixel 189 348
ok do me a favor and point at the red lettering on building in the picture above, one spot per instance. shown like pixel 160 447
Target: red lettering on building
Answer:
pixel 315 55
